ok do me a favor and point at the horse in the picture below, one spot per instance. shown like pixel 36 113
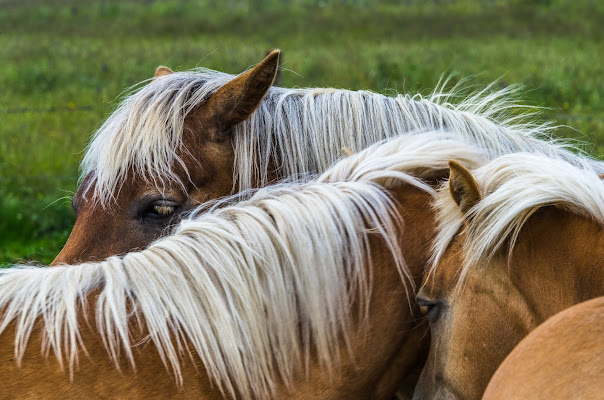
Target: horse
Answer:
pixel 282 294
pixel 519 240
pixel 189 137
pixel 561 359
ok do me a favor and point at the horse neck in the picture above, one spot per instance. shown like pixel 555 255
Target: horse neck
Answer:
pixel 392 345
pixel 557 261
pixel 298 133
pixel 40 375
pixel 395 343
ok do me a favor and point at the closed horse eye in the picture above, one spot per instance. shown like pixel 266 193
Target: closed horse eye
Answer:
pixel 163 210
pixel 160 210
pixel 431 309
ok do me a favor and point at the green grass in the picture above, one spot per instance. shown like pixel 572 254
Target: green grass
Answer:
pixel 65 62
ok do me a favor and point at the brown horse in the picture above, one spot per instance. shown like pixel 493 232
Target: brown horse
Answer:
pixel 301 291
pixel 519 240
pixel 561 359
pixel 188 137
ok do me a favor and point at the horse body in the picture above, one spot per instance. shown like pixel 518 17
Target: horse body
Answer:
pixel 40 376
pixel 281 295
pixel 365 347
pixel 530 246
pixel 189 137
pixel 561 359
pixel 368 354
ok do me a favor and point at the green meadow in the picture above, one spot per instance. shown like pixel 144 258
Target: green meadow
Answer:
pixel 65 64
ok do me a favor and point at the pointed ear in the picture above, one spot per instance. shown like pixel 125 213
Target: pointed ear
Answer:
pixel 238 99
pixel 463 186
pixel 161 71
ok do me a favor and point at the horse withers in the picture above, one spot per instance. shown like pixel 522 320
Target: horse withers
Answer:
pixel 518 241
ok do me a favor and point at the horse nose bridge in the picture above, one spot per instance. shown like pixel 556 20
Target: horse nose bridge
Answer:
pixel 67 255
pixel 74 247
pixel 88 240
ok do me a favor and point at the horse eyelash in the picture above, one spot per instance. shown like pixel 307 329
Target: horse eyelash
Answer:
pixel 163 209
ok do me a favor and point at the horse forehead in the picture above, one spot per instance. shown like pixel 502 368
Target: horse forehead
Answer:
pixel 443 279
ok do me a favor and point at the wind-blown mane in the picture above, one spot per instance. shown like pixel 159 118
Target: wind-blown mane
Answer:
pixel 304 130
pixel 252 288
pixel 513 188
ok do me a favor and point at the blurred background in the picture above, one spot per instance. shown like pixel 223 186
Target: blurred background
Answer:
pixel 64 64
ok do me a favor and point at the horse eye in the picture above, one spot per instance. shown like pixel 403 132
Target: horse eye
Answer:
pixel 429 308
pixel 163 210
pixel 160 209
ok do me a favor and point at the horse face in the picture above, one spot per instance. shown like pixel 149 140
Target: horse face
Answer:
pixel 474 323
pixel 143 209
pixel 473 327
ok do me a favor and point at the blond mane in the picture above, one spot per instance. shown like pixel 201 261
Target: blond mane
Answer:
pixel 252 288
pixel 513 188
pixel 304 130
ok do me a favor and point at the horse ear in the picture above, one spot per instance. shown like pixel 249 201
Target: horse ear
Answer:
pixel 463 186
pixel 239 98
pixel 161 71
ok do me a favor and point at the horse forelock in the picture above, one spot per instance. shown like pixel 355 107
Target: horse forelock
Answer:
pixel 514 187
pixel 144 135
pixel 302 130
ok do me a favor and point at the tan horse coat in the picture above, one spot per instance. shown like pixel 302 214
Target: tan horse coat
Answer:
pixel 562 359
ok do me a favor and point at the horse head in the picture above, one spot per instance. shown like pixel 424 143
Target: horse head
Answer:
pixel 519 240
pixel 128 199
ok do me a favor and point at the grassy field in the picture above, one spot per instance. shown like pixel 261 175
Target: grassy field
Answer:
pixel 64 63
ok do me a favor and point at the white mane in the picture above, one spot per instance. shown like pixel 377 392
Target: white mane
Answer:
pixel 304 130
pixel 513 188
pixel 253 288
